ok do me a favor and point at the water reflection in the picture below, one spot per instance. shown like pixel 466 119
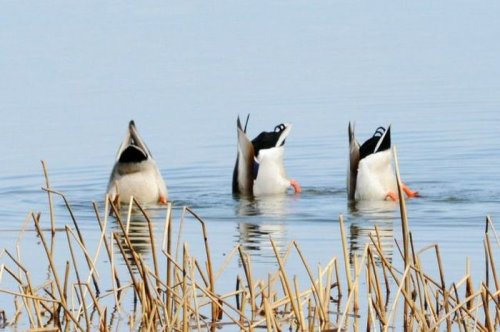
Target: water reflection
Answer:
pixel 271 206
pixel 261 220
pixel 365 215
pixel 138 233
pixel 254 237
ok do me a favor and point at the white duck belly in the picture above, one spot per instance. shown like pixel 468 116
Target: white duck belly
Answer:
pixel 376 177
pixel 145 185
pixel 271 176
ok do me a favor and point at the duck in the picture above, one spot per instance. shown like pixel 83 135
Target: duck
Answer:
pixel 135 172
pixel 370 173
pixel 259 168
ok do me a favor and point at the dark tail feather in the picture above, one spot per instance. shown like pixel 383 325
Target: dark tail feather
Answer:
pixel 246 123
pixel 354 155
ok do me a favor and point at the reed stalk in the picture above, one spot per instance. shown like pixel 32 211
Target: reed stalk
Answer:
pixel 345 251
pixel 151 237
pixel 51 205
pixel 80 237
pixel 286 283
pixel 405 229
pixel 54 272
pixel 209 263
pixel 322 310
pixel 78 279
pixel 245 261
pixel 167 242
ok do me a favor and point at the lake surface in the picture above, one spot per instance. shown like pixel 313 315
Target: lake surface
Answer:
pixel 74 75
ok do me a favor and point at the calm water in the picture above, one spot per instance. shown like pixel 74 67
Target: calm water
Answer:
pixel 74 75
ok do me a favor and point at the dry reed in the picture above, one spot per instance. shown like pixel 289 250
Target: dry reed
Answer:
pixel 185 297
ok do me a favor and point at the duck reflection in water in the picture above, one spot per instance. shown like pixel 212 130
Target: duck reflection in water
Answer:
pixel 260 221
pixel 138 234
pixel 365 216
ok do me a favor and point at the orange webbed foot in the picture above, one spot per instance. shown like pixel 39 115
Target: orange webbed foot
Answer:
pixel 163 199
pixel 410 193
pixel 296 186
pixel 392 196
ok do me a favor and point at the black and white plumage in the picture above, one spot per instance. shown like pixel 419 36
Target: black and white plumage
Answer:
pixel 371 175
pixel 135 172
pixel 259 168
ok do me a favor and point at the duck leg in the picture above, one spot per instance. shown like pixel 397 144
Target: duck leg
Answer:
pixel 295 185
pixel 392 196
pixel 410 193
